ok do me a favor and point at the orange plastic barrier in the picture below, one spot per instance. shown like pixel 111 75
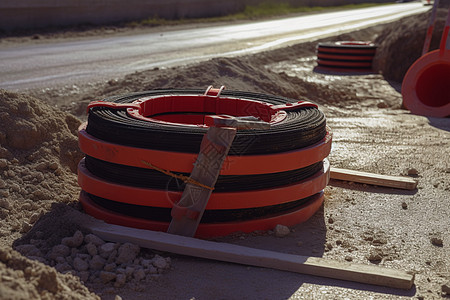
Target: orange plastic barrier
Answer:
pixel 426 85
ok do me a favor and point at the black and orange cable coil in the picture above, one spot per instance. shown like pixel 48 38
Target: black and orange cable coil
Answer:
pixel 346 55
pixel 270 177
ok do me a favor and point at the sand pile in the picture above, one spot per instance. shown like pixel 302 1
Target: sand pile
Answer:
pixel 23 278
pixel 38 160
pixel 38 157
pixel 401 43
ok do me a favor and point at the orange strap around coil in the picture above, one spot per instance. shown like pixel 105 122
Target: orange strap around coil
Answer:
pixel 292 218
pixel 183 162
pixel 230 200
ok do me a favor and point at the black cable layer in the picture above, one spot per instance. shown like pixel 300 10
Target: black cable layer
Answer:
pixel 345 60
pixel 334 45
pixel 149 178
pixel 344 55
pixel 161 214
pixel 302 127
pixel 343 67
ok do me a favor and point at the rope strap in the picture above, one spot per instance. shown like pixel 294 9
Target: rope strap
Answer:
pixel 179 176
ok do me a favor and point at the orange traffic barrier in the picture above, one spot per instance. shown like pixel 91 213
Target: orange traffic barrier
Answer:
pixel 425 87
pixel 207 230
pixel 426 44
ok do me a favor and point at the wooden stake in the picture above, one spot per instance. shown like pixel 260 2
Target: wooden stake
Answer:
pixel 244 255
pixel 187 213
pixel 375 179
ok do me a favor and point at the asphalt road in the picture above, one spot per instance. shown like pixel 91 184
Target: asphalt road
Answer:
pixel 60 63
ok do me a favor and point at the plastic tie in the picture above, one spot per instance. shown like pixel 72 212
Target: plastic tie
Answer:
pixel 186 179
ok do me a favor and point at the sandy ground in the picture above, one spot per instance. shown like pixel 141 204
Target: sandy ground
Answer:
pixel 404 230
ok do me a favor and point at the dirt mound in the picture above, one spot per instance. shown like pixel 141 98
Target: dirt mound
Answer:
pixel 38 156
pixel 401 43
pixel 38 188
pixel 243 73
pixel 23 278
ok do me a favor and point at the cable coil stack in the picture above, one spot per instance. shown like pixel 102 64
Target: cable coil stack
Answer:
pixel 346 55
pixel 139 147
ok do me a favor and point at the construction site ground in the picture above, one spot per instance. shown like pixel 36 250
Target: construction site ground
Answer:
pixel 358 223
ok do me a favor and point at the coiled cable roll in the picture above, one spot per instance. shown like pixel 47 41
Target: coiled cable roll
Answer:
pixel 302 127
pixel 162 214
pixel 352 55
pixel 148 178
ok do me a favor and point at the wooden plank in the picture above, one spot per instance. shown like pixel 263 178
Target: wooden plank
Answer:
pixel 214 148
pixel 375 179
pixel 248 256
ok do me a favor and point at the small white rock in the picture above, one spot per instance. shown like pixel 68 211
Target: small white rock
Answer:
pixel 80 265
pixel 59 251
pixel 106 249
pixel 75 241
pixel 281 230
pixel 112 256
pixel 91 249
pixel 159 262
pixel 127 253
pixel 97 263
pixel 92 238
